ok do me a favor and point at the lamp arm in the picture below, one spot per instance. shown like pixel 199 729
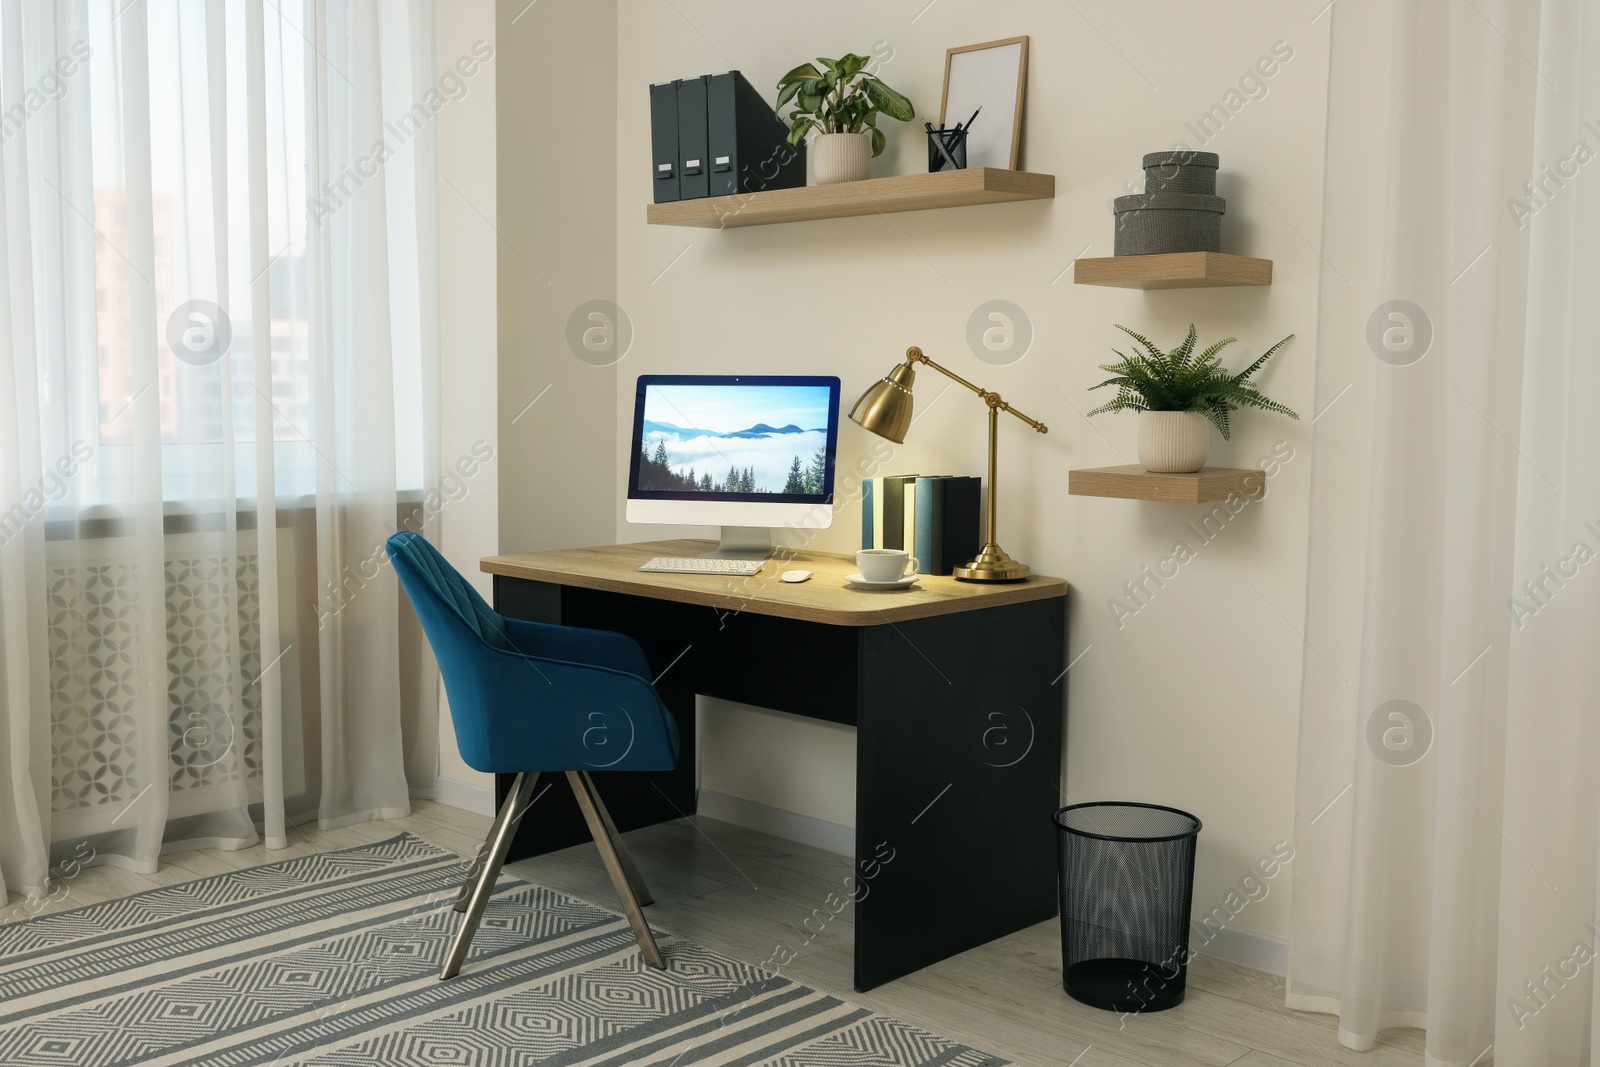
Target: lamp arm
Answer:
pixel 914 355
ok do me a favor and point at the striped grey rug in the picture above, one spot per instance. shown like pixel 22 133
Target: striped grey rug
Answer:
pixel 334 959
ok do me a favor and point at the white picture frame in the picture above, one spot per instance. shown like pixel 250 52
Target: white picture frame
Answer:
pixel 994 76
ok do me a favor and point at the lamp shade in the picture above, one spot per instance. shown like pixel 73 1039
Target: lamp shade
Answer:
pixel 885 408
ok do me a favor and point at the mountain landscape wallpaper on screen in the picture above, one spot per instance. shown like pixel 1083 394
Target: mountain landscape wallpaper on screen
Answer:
pixel 734 439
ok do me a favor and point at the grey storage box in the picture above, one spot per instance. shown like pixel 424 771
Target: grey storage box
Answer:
pixel 1192 173
pixel 1155 223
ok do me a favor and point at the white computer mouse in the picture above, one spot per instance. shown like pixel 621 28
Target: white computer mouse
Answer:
pixel 794 576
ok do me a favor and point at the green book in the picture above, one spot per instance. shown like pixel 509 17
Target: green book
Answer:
pixel 891 534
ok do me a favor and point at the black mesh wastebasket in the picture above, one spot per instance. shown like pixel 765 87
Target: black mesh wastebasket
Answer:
pixel 1127 880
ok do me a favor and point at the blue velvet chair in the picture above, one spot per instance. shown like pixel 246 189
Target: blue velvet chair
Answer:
pixel 529 698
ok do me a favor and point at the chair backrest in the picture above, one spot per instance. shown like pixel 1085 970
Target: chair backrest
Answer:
pixel 462 630
pixel 449 608
pixel 460 626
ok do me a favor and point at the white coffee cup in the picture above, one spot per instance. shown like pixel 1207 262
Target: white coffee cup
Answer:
pixel 885 564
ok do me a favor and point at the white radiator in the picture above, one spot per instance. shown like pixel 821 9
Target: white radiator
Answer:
pixel 95 680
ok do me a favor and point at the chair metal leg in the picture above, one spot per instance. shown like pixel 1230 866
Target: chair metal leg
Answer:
pixel 589 801
pixel 641 891
pixel 504 829
pixel 475 873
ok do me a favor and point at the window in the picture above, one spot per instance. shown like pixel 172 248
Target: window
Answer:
pixel 195 268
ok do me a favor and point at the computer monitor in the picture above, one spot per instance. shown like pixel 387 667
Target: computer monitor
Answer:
pixel 743 452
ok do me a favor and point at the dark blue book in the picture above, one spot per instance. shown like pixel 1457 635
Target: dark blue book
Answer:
pixel 928 545
pixel 947 521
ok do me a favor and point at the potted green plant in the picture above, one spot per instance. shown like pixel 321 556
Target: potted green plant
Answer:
pixel 1177 393
pixel 841 103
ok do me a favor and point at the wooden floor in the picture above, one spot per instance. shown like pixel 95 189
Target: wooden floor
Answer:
pixel 743 893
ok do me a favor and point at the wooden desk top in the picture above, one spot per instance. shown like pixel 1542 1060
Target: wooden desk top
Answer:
pixel 825 598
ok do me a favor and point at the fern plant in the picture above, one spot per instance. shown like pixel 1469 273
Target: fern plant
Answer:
pixel 1179 380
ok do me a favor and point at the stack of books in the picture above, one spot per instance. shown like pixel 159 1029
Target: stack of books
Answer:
pixel 932 516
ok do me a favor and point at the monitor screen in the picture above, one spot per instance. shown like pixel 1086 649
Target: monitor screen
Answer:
pixel 736 438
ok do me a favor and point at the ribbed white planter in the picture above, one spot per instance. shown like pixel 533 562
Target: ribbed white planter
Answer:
pixel 1173 442
pixel 841 157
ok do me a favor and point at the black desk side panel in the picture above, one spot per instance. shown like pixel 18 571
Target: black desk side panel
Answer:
pixel 958 761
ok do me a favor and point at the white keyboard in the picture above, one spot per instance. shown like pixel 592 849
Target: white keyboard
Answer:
pixel 703 565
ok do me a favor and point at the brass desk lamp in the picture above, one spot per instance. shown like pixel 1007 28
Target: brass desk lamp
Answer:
pixel 885 409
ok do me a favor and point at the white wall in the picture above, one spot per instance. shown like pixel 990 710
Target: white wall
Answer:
pixel 468 525
pixel 527 237
pixel 1192 701
pixel 557 81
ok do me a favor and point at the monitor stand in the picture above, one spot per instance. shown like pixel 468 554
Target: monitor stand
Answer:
pixel 743 542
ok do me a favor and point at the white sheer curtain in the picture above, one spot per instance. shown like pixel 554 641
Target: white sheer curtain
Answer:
pixel 1448 826
pixel 218 331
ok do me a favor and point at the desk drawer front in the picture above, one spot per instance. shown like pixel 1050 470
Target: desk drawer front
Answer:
pixel 803 668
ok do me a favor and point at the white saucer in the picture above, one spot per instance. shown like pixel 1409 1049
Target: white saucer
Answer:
pixel 899 583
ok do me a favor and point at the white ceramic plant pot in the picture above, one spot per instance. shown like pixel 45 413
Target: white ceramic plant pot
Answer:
pixel 841 157
pixel 1173 442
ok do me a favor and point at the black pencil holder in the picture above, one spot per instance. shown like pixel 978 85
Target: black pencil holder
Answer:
pixel 954 154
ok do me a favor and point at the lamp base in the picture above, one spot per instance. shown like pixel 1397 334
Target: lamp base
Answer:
pixel 992 565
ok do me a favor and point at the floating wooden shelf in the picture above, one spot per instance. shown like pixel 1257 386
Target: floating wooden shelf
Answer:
pixel 1133 482
pixel 1176 270
pixel 876 196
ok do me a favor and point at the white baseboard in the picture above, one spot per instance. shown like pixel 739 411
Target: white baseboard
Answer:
pixel 789 825
pixel 1261 951
pixel 478 799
